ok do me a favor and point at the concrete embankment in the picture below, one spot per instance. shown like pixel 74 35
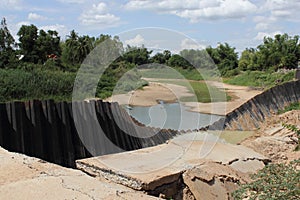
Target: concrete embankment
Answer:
pixel 254 112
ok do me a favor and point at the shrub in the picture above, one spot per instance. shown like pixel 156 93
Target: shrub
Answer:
pixel 275 181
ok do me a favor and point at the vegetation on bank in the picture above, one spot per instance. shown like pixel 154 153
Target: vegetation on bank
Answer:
pixel 296 130
pixel 41 59
pixel 275 181
pixel 292 106
pixel 260 79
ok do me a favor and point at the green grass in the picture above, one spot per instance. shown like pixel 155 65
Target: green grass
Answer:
pixel 203 92
pixel 233 137
pixel 260 79
pixel 292 106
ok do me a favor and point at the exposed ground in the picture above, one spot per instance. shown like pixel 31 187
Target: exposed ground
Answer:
pixel 24 178
pixel 275 141
pixel 150 95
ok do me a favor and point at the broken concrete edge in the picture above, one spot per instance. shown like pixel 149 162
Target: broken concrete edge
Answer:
pixel 153 185
pixel 125 180
pixel 266 161
pixel 110 175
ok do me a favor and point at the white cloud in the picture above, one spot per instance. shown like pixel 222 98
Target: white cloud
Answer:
pixel 190 44
pixel 19 24
pixel 98 17
pixel 273 16
pixel 281 9
pixel 195 10
pixel 10 4
pixel 34 16
pixel 137 41
pixel 260 35
pixel 61 29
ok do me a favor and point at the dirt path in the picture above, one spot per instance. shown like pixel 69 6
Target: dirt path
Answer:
pixel 150 95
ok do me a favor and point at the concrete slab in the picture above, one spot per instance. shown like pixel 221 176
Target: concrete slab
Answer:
pixel 146 169
pixel 23 177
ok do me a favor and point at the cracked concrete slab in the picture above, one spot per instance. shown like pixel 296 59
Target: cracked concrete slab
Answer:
pixel 24 177
pixel 147 169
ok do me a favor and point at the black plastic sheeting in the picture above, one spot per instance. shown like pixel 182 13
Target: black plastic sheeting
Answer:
pixel 253 113
pixel 48 130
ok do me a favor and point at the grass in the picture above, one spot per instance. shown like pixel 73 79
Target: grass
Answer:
pixel 233 137
pixel 203 93
pixel 260 79
pixel 292 106
pixel 189 78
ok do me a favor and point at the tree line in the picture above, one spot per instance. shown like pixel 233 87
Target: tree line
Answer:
pixel 35 46
pixel 45 50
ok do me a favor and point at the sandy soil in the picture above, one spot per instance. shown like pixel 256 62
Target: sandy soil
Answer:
pixel 275 141
pixel 239 95
pixel 151 94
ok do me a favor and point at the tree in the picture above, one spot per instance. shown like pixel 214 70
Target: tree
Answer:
pixel 198 58
pixel 7 45
pixel 69 50
pixel 84 47
pixel 27 37
pixel 136 55
pixel 48 43
pixel 224 57
pixel 178 61
pixel 282 51
pixel 161 58
pixel 248 60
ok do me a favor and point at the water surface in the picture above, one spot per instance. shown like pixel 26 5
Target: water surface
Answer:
pixel 174 116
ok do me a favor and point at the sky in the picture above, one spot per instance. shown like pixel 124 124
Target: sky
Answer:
pixel 240 23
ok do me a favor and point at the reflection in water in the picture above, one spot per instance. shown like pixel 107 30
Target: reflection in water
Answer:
pixel 174 116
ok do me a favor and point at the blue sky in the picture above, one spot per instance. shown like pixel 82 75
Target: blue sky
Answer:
pixel 241 23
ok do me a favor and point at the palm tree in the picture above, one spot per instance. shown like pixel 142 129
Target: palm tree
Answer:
pixel 72 46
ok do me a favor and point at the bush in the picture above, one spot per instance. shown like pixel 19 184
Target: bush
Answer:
pixel 261 79
pixel 292 106
pixel 19 84
pixel 275 181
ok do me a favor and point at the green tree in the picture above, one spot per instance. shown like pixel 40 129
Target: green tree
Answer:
pixel 7 45
pixel 27 37
pixel 69 51
pixel 282 51
pixel 178 61
pixel 198 58
pixel 248 60
pixel 136 55
pixel 48 43
pixel 161 58
pixel 224 57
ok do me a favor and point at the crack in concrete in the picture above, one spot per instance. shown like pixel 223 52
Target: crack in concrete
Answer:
pixel 64 185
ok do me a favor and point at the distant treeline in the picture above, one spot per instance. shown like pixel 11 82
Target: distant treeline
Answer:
pixel 41 65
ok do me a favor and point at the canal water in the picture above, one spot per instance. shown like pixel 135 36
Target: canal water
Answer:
pixel 171 116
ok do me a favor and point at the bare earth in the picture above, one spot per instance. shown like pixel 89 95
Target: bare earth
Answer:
pixel 275 141
pixel 150 95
